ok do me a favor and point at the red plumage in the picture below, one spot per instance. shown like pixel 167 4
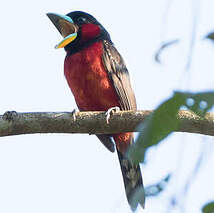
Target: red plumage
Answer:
pixel 99 80
pixel 88 79
pixel 91 86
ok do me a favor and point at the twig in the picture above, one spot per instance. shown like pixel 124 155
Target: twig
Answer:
pixel 94 122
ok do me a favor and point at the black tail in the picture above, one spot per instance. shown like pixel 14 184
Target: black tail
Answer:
pixel 133 181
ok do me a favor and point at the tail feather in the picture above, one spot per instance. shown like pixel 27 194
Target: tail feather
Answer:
pixel 133 181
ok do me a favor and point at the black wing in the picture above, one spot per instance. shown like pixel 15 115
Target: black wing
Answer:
pixel 119 76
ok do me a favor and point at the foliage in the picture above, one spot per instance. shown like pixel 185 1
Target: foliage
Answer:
pixel 208 208
pixel 161 123
pixel 163 120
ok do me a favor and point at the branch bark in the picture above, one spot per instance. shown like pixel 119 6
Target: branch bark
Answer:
pixel 13 123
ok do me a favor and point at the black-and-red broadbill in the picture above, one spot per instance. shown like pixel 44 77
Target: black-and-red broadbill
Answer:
pixel 99 80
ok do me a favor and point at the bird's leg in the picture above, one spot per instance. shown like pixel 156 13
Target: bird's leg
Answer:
pixel 110 111
pixel 74 113
pixel 10 116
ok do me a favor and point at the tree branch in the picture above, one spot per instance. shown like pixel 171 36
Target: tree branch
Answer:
pixel 13 123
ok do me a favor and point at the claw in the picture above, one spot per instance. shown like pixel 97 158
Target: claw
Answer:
pixel 74 112
pixel 110 111
pixel 10 116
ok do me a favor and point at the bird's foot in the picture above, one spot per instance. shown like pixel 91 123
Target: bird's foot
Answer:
pixel 10 116
pixel 110 111
pixel 74 113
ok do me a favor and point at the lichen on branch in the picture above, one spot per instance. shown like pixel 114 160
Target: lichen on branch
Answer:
pixel 13 123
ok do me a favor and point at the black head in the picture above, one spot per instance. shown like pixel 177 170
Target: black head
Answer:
pixel 80 18
pixel 79 30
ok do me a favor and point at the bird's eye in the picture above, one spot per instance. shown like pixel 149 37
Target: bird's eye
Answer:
pixel 81 20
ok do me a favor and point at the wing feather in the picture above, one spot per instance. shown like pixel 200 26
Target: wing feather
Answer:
pixel 119 76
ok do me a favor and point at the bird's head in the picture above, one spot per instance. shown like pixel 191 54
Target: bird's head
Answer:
pixel 78 29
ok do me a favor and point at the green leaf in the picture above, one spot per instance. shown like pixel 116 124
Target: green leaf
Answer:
pixel 208 208
pixel 163 120
pixel 210 36
pixel 201 102
pixel 158 126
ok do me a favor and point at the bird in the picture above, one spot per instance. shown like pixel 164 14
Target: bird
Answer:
pixel 99 80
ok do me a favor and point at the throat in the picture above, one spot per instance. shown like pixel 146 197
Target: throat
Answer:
pixel 90 34
pixel 76 47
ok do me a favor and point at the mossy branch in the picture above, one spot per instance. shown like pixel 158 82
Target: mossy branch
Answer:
pixel 13 123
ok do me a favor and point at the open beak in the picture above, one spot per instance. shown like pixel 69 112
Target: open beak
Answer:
pixel 65 26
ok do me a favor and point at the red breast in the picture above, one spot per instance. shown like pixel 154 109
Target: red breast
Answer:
pixel 88 79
